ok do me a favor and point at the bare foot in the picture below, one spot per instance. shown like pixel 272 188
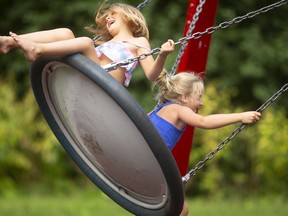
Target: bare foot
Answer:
pixel 29 48
pixel 6 44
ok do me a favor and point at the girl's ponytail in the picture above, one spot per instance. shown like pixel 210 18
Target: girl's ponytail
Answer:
pixel 171 88
pixel 164 85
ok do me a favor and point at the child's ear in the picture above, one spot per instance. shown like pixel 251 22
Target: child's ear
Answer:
pixel 184 98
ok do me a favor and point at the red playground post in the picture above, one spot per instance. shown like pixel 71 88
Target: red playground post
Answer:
pixel 194 59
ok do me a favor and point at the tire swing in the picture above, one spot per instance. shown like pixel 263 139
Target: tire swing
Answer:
pixel 107 134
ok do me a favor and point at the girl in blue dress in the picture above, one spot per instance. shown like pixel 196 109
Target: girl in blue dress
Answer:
pixel 180 98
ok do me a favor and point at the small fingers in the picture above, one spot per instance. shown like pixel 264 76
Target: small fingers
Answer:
pixel 256 117
pixel 13 35
pixel 167 47
pixel 171 42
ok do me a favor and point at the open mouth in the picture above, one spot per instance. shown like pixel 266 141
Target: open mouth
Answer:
pixel 111 22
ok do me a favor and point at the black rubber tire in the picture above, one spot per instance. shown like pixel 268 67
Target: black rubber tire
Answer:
pixel 137 115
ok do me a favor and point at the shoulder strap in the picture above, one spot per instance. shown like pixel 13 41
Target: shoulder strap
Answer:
pixel 137 45
pixel 160 106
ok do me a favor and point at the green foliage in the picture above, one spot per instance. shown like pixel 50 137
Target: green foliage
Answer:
pixel 28 149
pixel 253 162
pixel 250 55
pixel 271 152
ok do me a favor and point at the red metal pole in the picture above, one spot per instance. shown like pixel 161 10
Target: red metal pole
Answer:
pixel 194 59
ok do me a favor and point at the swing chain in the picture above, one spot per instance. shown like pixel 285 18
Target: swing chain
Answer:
pixel 236 131
pixel 114 65
pixel 184 40
pixel 238 19
pixel 273 98
pixel 189 33
pixel 143 4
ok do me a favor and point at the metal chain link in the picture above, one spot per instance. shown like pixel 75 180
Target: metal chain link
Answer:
pixel 238 19
pixel 236 131
pixel 143 4
pixel 115 65
pixel 188 34
pixel 210 30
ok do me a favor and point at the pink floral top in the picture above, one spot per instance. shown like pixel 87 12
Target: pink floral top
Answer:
pixel 117 51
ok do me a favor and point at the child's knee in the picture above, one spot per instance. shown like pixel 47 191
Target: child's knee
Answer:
pixel 66 33
pixel 88 42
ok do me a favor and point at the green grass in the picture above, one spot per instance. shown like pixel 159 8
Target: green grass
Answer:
pixel 247 207
pixel 93 202
pixel 80 203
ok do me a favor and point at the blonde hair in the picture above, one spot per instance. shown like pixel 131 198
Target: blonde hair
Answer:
pixel 171 88
pixel 131 15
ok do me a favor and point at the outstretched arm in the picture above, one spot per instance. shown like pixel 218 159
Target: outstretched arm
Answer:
pixel 216 120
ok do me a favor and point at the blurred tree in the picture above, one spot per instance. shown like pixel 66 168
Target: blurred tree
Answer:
pixel 252 162
pixel 250 55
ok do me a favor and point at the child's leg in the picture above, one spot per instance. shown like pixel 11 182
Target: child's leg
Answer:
pixel 34 50
pixel 7 43
pixel 185 210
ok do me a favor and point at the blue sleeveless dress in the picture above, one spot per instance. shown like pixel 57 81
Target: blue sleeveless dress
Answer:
pixel 168 131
